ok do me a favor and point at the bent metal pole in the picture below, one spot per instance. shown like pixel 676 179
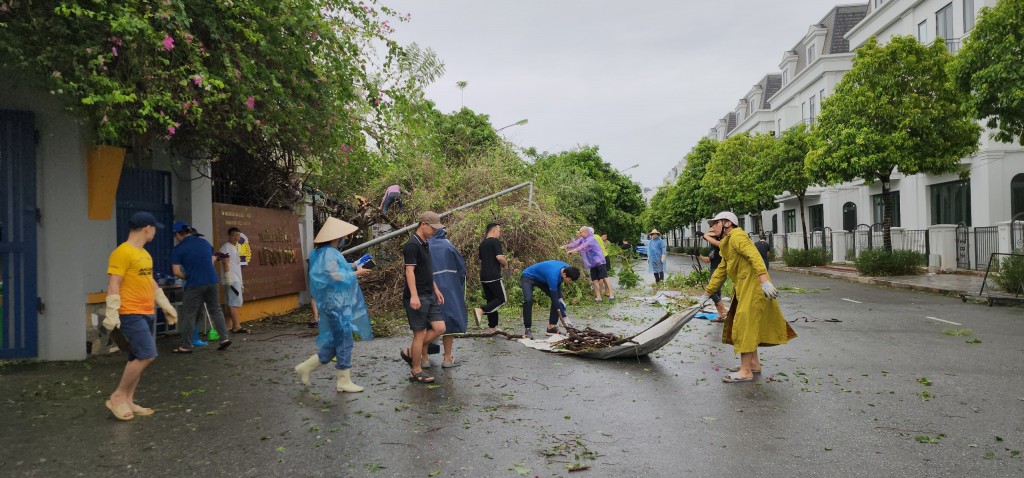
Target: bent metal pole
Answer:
pixel 410 227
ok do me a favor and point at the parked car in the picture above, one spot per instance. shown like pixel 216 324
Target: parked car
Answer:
pixel 641 249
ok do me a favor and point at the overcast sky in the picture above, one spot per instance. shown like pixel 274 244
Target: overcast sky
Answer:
pixel 643 80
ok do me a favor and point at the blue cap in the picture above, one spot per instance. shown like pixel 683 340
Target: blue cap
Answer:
pixel 142 219
pixel 180 226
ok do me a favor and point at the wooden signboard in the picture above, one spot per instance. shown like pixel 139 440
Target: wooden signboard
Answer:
pixel 275 266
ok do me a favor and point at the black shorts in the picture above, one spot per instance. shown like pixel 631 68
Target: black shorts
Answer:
pixel 599 272
pixel 429 311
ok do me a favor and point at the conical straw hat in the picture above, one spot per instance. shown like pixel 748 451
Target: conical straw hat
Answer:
pixel 333 229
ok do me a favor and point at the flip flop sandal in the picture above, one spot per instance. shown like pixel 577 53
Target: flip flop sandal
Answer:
pixel 242 330
pixel 223 345
pixel 737 369
pixel 405 356
pixel 121 412
pixel 141 411
pixel 737 378
pixel 421 377
pixel 181 350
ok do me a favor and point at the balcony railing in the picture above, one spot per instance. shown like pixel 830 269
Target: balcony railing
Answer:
pixel 953 45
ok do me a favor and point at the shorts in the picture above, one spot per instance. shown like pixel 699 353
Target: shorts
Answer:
pixel 139 330
pixel 429 311
pixel 599 272
pixel 234 300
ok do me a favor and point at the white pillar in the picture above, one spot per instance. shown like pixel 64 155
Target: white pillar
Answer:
pixel 943 244
pixel 1004 237
pixel 839 246
pixel 306 235
pixel 896 234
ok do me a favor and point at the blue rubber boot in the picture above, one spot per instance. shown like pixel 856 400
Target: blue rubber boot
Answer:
pixel 195 339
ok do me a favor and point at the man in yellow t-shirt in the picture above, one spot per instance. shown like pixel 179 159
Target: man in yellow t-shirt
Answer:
pixel 131 292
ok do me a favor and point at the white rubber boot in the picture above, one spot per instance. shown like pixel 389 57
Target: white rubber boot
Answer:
pixel 345 382
pixel 307 367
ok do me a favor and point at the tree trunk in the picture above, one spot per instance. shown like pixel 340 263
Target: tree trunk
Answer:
pixel 803 219
pixel 886 215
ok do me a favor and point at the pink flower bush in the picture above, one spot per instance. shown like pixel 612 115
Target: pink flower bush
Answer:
pixel 250 103
pixel 198 80
pixel 168 43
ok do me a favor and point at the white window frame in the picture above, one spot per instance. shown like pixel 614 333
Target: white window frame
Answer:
pixel 785 77
pixel 970 16
pixel 922 32
pixel 810 54
pixel 812 102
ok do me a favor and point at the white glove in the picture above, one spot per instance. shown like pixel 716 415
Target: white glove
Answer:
pixel 769 290
pixel 113 318
pixel 169 311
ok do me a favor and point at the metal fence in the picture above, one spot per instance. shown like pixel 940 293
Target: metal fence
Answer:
pixel 917 240
pixel 986 241
pixel 1017 232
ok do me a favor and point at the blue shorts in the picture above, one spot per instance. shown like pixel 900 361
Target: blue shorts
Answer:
pixel 138 329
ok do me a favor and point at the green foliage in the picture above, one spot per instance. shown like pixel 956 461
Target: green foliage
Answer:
pixel 294 79
pixel 988 69
pixel 628 278
pixel 591 192
pixel 784 165
pixel 814 256
pixel 464 134
pixel 684 202
pixel 878 262
pixel 734 178
pixel 1009 273
pixel 894 110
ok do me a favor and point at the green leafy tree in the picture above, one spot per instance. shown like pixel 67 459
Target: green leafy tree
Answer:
pixel 988 69
pixel 692 201
pixel 733 177
pixel 290 80
pixel 464 134
pixel 784 167
pixel 894 110
pixel 590 191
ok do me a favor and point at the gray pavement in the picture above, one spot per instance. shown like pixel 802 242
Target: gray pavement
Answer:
pixel 871 387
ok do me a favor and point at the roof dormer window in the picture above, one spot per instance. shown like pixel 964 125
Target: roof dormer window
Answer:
pixel 785 77
pixel 810 54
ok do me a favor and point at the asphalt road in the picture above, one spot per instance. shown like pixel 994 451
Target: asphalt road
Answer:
pixel 882 392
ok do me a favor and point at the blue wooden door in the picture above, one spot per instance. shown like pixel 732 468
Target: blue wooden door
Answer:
pixel 19 326
pixel 147 190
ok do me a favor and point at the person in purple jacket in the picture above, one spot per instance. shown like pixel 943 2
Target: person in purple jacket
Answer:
pixel 547 276
pixel 593 259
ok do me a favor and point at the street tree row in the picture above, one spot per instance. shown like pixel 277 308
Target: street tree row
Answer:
pixel 903 107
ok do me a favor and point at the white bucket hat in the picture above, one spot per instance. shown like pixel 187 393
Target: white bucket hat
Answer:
pixel 726 215
pixel 333 229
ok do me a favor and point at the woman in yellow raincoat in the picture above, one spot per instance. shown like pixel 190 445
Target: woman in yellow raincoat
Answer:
pixel 755 319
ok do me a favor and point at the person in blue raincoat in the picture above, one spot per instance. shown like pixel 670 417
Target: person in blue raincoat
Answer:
pixel 656 252
pixel 450 277
pixel 333 284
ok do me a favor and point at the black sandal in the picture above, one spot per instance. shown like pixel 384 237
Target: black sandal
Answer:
pixel 241 330
pixel 405 356
pixel 421 377
pixel 223 345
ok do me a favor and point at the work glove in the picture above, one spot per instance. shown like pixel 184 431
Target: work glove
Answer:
pixel 769 290
pixel 169 311
pixel 113 318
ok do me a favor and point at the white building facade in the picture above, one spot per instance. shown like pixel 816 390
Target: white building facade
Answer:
pixel 847 216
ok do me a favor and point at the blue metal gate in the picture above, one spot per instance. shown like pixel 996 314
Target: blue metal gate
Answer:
pixel 150 191
pixel 19 326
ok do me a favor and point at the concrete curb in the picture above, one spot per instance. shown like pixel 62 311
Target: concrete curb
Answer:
pixel 869 280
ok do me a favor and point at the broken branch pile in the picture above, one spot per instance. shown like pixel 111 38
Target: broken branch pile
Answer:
pixel 578 340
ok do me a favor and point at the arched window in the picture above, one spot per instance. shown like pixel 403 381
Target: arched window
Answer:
pixel 1017 195
pixel 849 216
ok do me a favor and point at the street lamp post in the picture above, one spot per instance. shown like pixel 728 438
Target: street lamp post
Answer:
pixel 517 123
pixel 637 165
